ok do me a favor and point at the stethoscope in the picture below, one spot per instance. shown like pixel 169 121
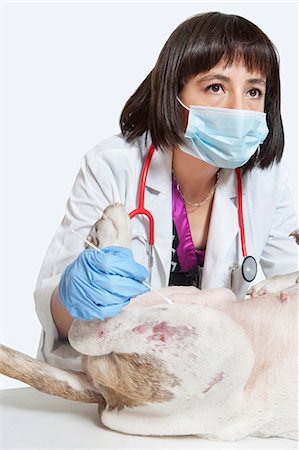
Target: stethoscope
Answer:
pixel 249 264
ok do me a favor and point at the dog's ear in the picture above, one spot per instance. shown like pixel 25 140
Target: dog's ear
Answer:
pixel 84 336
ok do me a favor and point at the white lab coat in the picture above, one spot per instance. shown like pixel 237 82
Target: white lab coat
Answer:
pixel 110 173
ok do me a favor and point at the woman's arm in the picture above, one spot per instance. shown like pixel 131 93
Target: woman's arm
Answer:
pixel 85 205
pixel 99 183
pixel 62 319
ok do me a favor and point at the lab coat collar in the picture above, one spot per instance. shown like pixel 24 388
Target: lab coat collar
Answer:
pixel 228 183
pixel 158 202
pixel 223 229
pixel 159 174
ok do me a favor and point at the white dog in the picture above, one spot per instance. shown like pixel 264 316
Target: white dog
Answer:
pixel 207 364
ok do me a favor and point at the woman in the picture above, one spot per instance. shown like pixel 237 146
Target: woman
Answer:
pixel 212 60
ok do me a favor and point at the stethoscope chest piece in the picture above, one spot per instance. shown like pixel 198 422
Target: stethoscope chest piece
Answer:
pixel 249 268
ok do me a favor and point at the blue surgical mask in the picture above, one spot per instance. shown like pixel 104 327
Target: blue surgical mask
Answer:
pixel 225 138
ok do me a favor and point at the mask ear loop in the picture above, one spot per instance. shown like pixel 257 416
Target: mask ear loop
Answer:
pixel 180 101
pixel 258 151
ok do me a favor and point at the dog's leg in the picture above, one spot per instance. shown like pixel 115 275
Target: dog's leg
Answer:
pixel 278 282
pixel 113 229
pixel 67 384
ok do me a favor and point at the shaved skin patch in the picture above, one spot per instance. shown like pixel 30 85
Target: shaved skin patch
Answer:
pixel 163 332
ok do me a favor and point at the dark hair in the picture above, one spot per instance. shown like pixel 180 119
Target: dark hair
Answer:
pixel 197 45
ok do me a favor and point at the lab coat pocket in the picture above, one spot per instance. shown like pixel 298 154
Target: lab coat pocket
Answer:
pixel 236 282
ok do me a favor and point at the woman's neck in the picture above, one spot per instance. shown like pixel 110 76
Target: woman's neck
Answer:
pixel 195 177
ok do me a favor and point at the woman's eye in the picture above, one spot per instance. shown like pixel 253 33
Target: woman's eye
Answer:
pixel 215 88
pixel 254 92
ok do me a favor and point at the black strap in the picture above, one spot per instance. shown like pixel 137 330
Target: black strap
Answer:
pixel 190 278
pixel 177 277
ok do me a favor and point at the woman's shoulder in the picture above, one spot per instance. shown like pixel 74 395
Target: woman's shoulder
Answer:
pixel 271 176
pixel 254 182
pixel 262 186
pixel 115 149
pixel 267 183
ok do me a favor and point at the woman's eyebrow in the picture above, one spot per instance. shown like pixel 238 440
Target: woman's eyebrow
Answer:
pixel 256 81
pixel 218 76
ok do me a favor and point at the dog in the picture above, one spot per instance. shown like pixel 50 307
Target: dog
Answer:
pixel 205 365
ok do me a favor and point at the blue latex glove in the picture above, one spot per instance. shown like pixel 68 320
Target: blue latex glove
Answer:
pixel 98 285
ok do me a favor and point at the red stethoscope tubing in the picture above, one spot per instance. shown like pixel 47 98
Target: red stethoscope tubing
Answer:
pixel 240 212
pixel 141 210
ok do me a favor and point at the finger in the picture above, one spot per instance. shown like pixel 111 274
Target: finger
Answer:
pixel 102 289
pixel 117 285
pixel 117 261
pixel 91 311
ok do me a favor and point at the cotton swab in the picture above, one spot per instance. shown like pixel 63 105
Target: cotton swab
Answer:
pixel 143 282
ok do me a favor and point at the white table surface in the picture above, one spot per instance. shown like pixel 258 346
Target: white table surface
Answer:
pixel 32 420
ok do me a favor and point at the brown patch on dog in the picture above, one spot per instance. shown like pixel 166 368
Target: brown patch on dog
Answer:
pixel 67 384
pixel 129 379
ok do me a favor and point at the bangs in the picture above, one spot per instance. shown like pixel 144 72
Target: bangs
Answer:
pixel 229 39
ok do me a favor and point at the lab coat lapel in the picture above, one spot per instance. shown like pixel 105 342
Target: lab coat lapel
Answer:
pixel 222 230
pixel 158 202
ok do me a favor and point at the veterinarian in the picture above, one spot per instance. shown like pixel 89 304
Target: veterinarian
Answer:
pixel 209 112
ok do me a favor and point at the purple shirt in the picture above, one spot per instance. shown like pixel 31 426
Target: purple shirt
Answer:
pixel 187 255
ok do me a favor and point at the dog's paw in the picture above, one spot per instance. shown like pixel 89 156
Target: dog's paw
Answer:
pixel 113 229
pixel 273 285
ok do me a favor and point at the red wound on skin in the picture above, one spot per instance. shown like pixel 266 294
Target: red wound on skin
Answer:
pixel 162 331
pixel 141 329
pixel 284 296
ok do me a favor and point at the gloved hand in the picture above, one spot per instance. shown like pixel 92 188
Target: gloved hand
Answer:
pixel 98 285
